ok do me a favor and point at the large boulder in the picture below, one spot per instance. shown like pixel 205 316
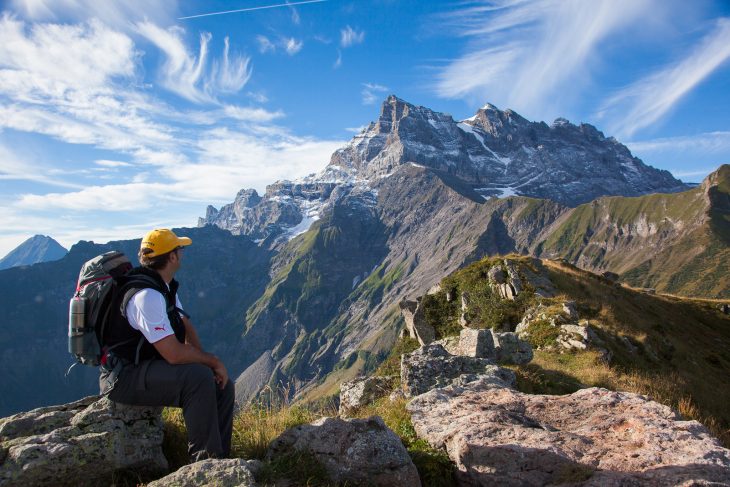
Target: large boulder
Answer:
pixel 432 366
pixel 86 442
pixel 357 393
pixel 353 451
pixel 232 472
pixel 498 436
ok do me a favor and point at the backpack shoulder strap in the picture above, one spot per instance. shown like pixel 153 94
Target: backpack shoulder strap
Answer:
pixel 134 285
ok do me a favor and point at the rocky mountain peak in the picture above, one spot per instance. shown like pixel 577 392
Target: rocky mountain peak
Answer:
pixel 38 248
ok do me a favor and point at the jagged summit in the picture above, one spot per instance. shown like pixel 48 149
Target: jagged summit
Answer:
pixel 498 153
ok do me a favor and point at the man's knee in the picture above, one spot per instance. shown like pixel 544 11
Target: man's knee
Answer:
pixel 197 375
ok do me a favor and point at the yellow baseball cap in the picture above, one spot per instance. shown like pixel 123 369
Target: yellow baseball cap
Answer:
pixel 162 241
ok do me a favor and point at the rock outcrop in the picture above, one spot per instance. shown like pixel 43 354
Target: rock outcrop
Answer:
pixel 431 366
pixel 86 442
pixel 233 472
pixel 357 393
pixel 354 451
pixel 503 348
pixel 413 314
pixel 498 436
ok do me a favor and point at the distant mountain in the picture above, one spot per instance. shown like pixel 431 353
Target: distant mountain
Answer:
pixel 38 248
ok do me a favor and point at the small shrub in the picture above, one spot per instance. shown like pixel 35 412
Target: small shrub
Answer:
pixel 542 334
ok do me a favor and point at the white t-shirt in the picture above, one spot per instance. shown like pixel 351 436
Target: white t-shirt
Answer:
pixel 147 312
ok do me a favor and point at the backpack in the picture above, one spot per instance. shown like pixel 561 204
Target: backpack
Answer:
pixel 90 307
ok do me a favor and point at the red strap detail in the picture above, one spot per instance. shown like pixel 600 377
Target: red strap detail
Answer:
pixel 81 285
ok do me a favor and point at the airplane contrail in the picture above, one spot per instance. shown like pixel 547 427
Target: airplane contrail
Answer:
pixel 250 9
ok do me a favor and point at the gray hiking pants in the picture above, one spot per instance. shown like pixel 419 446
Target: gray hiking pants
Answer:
pixel 208 409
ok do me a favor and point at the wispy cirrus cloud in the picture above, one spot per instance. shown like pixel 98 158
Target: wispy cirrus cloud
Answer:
pixel 350 37
pixel 186 74
pixel 524 54
pixel 290 45
pixel 710 142
pixel 647 100
pixel 111 12
pixel 372 93
pixel 293 46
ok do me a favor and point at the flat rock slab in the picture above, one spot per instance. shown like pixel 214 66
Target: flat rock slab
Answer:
pixel 353 451
pixel 232 472
pixel 86 442
pixel 498 436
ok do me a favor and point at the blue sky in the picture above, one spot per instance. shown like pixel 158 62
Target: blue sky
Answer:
pixel 117 117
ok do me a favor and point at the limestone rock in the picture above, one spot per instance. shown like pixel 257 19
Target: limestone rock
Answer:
pixel 414 316
pixel 357 393
pixel 432 366
pixel 477 343
pixel 510 349
pixel 354 451
pixel 451 344
pixel 569 309
pixel 81 443
pixel 463 318
pixel 232 472
pixel 514 277
pixel 498 436
pixel 435 289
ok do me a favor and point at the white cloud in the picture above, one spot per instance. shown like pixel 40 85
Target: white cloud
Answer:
pixel 111 12
pixel 293 46
pixel 356 130
pixel 350 37
pixel 338 61
pixel 185 74
pixel 711 142
pixel 251 114
pixel 372 93
pixel 290 45
pixel 646 101
pixel 14 167
pixel 111 164
pixel 48 59
pixel 529 55
pixel 682 173
pixel 265 45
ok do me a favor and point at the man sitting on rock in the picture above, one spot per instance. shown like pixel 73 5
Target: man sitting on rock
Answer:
pixel 152 354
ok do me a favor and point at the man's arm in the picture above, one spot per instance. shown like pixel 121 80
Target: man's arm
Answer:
pixel 176 353
pixel 191 335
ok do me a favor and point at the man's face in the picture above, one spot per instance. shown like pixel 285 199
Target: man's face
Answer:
pixel 176 259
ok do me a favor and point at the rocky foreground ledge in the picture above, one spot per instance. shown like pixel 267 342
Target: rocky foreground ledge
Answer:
pixel 593 437
pixel 86 442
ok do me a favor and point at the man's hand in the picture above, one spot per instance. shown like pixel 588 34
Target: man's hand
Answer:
pixel 184 353
pixel 221 374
